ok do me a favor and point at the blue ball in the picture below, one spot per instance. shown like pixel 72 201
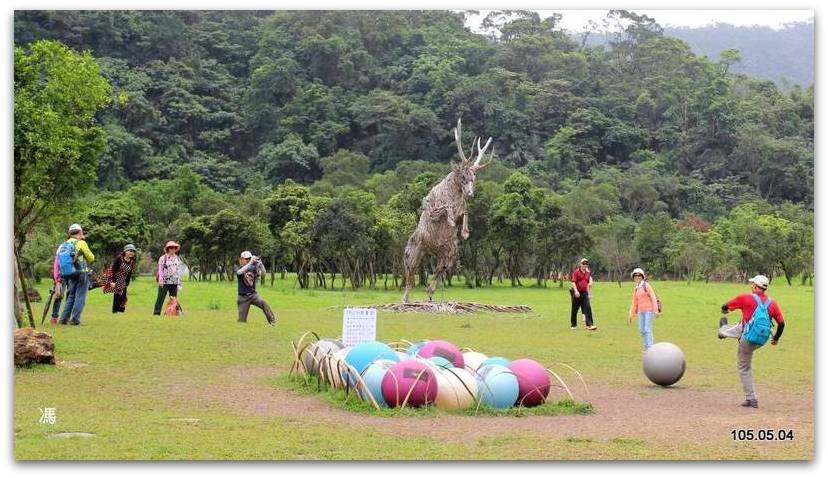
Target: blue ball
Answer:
pixel 363 354
pixel 495 361
pixel 414 348
pixel 441 362
pixel 372 376
pixel 497 386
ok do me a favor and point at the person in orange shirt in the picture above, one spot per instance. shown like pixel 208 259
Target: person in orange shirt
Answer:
pixel 645 305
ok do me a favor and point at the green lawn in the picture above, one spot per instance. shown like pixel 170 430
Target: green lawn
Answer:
pixel 123 374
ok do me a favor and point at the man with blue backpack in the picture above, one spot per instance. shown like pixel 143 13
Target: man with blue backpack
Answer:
pixel 73 258
pixel 753 331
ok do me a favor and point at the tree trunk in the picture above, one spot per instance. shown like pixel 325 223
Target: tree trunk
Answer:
pixel 24 289
pixel 19 320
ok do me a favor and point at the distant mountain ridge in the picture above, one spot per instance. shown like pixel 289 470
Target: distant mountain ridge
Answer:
pixel 784 56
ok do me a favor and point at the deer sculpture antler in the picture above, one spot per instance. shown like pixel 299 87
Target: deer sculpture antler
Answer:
pixel 480 151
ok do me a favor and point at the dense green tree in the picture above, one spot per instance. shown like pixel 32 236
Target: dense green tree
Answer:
pixel 613 245
pixel 56 140
pixel 309 124
pixel 652 234
pixel 110 223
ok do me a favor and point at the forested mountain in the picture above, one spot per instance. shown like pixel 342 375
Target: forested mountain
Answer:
pixel 216 107
pixel 783 55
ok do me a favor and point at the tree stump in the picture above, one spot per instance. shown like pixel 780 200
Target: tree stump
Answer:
pixel 32 346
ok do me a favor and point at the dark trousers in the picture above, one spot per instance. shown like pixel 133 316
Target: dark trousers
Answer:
pixel 162 294
pixel 119 301
pixel 582 303
pixel 245 301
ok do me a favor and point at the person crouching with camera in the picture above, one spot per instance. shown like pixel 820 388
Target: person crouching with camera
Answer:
pixel 247 274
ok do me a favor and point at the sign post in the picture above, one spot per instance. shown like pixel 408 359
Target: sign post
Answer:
pixel 358 326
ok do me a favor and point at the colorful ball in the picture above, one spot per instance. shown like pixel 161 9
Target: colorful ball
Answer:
pixel 442 348
pixel 664 364
pixel 362 354
pixel 440 362
pixel 503 362
pixel 428 363
pixel 533 382
pixel 402 355
pixel 414 348
pixel 314 352
pixel 412 379
pixel 372 376
pixel 473 360
pixel 456 389
pixel 497 386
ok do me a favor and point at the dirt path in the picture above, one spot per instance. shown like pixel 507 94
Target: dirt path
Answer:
pixel 639 410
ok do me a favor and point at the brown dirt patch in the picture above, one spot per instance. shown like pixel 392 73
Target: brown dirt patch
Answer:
pixel 639 410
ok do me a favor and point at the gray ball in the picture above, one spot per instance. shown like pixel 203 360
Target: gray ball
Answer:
pixel 664 364
pixel 313 354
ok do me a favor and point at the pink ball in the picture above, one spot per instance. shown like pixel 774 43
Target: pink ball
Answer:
pixel 409 376
pixel 533 382
pixel 441 348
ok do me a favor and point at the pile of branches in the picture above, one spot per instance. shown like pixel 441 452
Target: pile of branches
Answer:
pixel 450 307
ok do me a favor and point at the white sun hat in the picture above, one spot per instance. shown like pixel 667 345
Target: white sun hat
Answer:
pixel 760 280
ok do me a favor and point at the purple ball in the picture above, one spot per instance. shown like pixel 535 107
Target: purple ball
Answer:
pixel 444 349
pixel 533 382
pixel 409 376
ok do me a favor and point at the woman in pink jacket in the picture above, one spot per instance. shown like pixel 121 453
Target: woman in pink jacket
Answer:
pixel 57 291
pixel 168 276
pixel 645 305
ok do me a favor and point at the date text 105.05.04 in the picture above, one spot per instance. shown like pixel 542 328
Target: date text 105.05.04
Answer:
pixel 762 434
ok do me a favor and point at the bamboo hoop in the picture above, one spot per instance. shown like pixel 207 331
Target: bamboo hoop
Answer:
pixel 359 382
pixel 297 352
pixel 562 383
pixel 581 377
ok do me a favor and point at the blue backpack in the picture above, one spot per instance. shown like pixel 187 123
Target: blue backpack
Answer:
pixel 66 259
pixel 758 328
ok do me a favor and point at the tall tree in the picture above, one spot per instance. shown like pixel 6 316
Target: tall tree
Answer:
pixel 56 140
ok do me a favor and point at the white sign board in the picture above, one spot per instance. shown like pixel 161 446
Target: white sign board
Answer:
pixel 359 325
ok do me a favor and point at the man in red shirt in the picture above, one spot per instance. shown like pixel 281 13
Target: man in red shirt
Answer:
pixel 581 278
pixel 744 356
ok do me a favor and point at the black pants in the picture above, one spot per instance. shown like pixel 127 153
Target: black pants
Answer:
pixel 581 302
pixel 162 294
pixel 119 301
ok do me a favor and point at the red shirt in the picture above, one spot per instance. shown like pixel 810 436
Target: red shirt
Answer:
pixel 747 304
pixel 581 279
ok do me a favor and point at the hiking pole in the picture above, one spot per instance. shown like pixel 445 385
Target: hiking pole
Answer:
pixel 48 304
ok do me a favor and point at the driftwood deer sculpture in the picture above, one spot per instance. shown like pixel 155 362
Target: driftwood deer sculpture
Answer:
pixel 442 209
